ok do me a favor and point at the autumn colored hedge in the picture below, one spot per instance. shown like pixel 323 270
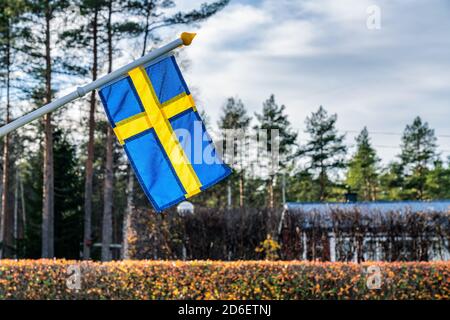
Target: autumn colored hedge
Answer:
pixel 47 279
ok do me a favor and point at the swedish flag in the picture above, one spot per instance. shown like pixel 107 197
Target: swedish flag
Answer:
pixel 155 119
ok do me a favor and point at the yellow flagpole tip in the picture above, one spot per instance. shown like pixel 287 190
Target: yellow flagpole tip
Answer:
pixel 187 37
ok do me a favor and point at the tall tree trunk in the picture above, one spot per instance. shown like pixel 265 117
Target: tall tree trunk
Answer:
pixel 146 32
pixel 322 175
pixel 24 214
pixel 109 176
pixel 126 224
pixel 128 215
pixel 16 216
pixel 48 187
pixel 6 231
pixel 271 202
pixel 241 189
pixel 90 152
pixel 374 192
pixel 6 234
pixel 229 195
pixel 322 183
pixel 421 181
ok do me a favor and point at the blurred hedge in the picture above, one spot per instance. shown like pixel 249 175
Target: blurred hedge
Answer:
pixel 234 234
pixel 217 234
pixel 46 279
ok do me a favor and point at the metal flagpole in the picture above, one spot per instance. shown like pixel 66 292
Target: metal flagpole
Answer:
pixel 185 39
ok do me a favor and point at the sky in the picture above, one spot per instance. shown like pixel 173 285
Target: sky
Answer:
pixel 374 63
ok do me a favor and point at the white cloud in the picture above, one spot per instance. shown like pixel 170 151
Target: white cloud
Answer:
pixel 320 52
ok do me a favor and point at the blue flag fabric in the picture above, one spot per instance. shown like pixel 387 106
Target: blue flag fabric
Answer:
pixel 155 119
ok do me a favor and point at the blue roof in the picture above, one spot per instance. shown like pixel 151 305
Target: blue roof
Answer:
pixel 375 206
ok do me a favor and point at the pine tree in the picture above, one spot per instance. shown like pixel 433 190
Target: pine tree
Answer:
pixel 438 181
pixel 96 35
pixel 43 64
pixel 325 148
pixel 234 116
pixel 417 155
pixel 89 37
pixel 68 199
pixel 10 35
pixel 362 175
pixel 93 11
pixel 302 187
pixel 109 165
pixel 114 32
pixel 391 181
pixel 273 117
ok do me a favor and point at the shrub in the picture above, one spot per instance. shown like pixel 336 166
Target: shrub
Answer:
pixel 367 234
pixel 269 248
pixel 235 234
pixel 46 279
pixel 217 234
